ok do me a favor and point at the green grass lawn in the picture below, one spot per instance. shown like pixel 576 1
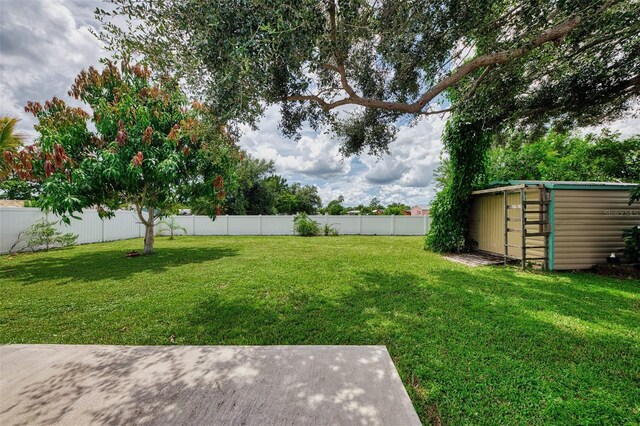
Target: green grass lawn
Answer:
pixel 483 346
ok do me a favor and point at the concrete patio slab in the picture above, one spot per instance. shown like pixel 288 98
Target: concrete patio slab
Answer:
pixel 196 385
pixel 475 259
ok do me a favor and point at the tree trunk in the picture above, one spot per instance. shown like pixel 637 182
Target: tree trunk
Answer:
pixel 148 233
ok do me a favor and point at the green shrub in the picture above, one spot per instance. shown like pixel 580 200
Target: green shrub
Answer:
pixel 330 231
pixel 305 226
pixel 631 238
pixel 43 234
pixel 31 203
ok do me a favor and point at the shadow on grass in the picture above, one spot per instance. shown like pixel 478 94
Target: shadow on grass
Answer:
pixel 583 297
pixel 485 343
pixel 68 266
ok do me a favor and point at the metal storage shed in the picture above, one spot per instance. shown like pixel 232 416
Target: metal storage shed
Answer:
pixel 561 225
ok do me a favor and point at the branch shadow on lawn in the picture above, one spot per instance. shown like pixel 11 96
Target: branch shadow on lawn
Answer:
pixel 70 266
pixel 529 349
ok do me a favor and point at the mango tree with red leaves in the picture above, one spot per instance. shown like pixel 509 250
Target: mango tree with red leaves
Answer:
pixel 150 149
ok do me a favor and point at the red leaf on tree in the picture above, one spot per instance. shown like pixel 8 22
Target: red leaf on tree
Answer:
pixel 59 149
pixel 221 195
pixel 173 132
pixel 146 136
pixel 33 107
pixel 218 182
pixel 121 138
pixel 137 159
pixel 48 168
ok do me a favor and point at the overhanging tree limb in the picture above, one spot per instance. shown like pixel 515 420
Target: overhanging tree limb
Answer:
pixel 390 57
pixel 485 61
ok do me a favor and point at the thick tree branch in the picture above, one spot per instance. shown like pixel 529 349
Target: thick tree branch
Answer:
pixel 632 83
pixel 330 67
pixel 439 111
pixel 326 106
pixel 140 216
pixel 553 34
pixel 485 61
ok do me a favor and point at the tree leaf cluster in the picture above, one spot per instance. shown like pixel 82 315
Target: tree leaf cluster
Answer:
pixel 147 148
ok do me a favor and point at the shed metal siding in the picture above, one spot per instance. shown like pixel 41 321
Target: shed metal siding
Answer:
pixel 487 224
pixel 588 225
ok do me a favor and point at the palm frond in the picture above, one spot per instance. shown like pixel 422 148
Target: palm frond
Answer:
pixel 9 141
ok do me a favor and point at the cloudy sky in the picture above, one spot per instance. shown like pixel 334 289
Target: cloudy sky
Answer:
pixel 45 43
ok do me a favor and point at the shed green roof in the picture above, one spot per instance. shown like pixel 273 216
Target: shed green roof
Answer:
pixel 560 184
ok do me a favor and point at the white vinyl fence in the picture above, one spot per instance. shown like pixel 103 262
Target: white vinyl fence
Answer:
pixel 125 224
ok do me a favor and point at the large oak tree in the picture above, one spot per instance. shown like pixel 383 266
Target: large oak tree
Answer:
pixel 391 58
pixel 362 66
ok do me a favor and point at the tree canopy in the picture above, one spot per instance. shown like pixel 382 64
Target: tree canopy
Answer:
pixel 561 156
pixel 252 194
pixel 260 190
pixel 14 188
pixel 530 63
pixel 150 148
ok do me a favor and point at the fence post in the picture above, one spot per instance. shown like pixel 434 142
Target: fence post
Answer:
pixel 393 224
pixel 193 223
pixel 260 224
pixel 425 225
pixel 227 217
pixel 102 229
pixel 360 223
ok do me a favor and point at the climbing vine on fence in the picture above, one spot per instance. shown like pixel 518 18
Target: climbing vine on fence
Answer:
pixel 467 144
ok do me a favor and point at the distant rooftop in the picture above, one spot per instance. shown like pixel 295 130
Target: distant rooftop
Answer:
pixel 11 203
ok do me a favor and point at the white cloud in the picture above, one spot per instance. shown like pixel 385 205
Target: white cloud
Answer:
pixel 315 155
pixel 404 175
pixel 43 48
pixel 354 190
pixel 414 155
pixel 627 127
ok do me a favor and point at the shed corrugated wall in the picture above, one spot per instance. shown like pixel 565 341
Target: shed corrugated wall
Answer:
pixel 487 224
pixel 588 225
